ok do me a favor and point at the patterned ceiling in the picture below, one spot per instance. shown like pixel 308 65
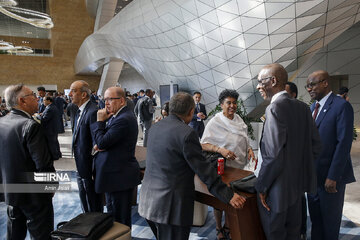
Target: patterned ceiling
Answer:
pixel 209 45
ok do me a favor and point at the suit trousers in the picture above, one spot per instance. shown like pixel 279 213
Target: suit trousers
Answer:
pixel 118 204
pixel 38 218
pixel 326 212
pixel 145 127
pixel 283 225
pixel 167 231
pixel 90 200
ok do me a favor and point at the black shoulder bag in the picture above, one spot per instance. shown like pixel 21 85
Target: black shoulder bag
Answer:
pixel 89 226
pixel 246 184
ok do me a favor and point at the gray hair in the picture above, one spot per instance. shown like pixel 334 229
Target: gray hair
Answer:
pixel 11 95
pixel 85 88
pixel 181 104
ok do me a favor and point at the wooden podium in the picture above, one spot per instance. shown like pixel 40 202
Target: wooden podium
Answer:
pixel 244 223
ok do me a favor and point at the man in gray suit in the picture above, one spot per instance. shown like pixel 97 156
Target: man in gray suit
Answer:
pixel 288 147
pixel 167 192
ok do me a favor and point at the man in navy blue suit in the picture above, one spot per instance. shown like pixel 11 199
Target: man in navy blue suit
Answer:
pixel 83 145
pixel 117 170
pixel 197 122
pixel 49 121
pixel 41 94
pixel 334 119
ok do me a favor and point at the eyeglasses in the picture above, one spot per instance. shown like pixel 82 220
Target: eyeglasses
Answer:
pixel 261 81
pixel 30 94
pixel 110 99
pixel 313 84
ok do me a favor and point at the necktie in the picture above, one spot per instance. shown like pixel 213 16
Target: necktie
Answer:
pixel 197 107
pixel 317 106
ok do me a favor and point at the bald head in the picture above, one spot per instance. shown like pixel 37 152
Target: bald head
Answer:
pixel 114 99
pixel 317 84
pixel 271 80
pixel 79 92
pixel 278 71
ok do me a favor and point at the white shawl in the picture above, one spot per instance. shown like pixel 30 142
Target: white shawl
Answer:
pixel 230 134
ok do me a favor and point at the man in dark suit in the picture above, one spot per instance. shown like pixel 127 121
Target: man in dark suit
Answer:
pixel 288 147
pixel 197 121
pixel 61 104
pixel 334 118
pixel 49 122
pixel 41 94
pixel 24 150
pixel 82 146
pixel 117 170
pixel 167 192
pixel 71 111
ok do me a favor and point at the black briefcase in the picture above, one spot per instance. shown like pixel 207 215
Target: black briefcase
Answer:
pixel 246 184
pixel 89 226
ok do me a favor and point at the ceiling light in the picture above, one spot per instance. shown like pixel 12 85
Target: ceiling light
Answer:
pixel 8 3
pixel 20 49
pixel 43 20
pixel 5 45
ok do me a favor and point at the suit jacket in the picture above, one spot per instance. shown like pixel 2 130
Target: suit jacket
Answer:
pixel 335 123
pixel 41 105
pixel 195 124
pixel 167 192
pixel 26 151
pixel 116 167
pixel 50 124
pixel 289 146
pixel 83 141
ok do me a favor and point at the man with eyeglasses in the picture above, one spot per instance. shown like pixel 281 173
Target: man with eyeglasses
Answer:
pixel 24 150
pixel 117 170
pixel 289 145
pixel 82 146
pixel 334 118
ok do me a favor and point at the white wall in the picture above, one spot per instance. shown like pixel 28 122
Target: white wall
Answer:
pixel 132 80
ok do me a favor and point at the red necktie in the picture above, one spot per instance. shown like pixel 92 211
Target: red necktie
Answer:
pixel 316 110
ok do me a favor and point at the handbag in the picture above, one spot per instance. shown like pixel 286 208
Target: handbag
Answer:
pixel 246 184
pixel 89 226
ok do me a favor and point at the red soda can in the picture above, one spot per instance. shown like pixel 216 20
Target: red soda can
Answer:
pixel 220 166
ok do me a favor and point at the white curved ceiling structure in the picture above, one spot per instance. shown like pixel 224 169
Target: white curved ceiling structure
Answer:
pixel 209 45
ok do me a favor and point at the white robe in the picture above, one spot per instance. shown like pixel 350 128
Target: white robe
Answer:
pixel 230 134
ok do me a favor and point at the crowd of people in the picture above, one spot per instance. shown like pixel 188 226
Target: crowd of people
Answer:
pixel 301 150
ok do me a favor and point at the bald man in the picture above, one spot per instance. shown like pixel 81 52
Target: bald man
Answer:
pixel 334 118
pixel 82 146
pixel 117 170
pixel 288 147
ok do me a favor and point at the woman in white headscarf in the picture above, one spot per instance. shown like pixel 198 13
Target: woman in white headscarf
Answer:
pixel 226 133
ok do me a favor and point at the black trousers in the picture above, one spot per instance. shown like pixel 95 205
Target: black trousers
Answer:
pixel 326 212
pixel 118 204
pixel 90 200
pixel 38 218
pixel 167 231
pixel 281 226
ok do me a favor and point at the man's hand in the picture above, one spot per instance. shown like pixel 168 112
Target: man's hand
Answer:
pixel 237 201
pixel 330 186
pixel 103 115
pixel 200 115
pixel 263 201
